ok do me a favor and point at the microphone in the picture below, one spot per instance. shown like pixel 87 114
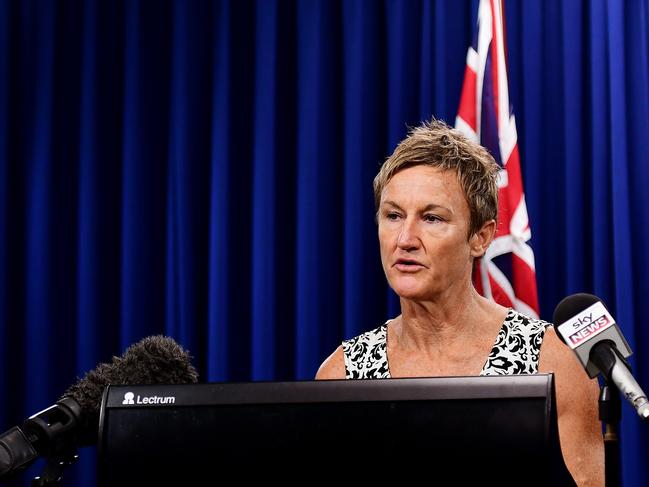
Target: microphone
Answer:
pixel 585 325
pixel 74 419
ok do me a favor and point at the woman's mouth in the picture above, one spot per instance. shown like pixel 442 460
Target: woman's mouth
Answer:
pixel 408 265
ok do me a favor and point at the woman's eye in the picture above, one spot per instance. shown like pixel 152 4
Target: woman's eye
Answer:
pixel 392 216
pixel 432 218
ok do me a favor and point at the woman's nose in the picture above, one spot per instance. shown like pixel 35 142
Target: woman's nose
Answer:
pixel 408 236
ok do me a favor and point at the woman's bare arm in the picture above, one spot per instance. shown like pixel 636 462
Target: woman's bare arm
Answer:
pixel 580 432
pixel 333 367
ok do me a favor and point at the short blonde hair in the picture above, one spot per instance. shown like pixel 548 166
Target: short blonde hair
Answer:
pixel 436 144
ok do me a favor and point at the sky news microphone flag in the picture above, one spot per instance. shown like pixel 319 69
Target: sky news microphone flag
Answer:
pixel 506 273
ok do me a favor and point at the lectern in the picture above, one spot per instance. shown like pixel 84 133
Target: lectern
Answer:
pixel 497 430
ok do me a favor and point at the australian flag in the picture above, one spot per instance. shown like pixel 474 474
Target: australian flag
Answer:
pixel 506 273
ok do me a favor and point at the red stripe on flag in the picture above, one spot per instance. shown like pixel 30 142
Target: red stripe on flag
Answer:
pixel 504 213
pixel 498 295
pixel 468 100
pixel 524 282
pixel 514 178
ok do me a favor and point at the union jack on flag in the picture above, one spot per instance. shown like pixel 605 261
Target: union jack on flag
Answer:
pixel 506 273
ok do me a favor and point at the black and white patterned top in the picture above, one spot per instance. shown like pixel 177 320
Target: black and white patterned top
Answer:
pixel 516 350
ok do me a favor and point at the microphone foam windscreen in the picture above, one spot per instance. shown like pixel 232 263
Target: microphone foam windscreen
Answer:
pixel 153 360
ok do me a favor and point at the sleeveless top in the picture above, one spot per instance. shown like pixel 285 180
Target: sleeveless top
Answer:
pixel 516 350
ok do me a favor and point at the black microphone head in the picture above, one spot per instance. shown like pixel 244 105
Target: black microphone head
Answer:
pixel 153 360
pixel 571 306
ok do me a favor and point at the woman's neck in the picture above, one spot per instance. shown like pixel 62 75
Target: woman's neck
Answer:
pixel 445 322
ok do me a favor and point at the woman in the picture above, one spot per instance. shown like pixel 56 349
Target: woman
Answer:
pixel 437 204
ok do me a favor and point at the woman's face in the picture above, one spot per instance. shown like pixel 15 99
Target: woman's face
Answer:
pixel 423 227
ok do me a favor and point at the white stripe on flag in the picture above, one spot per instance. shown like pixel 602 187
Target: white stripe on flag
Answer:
pixel 508 244
pixel 466 129
pixel 508 139
pixel 472 59
pixel 484 40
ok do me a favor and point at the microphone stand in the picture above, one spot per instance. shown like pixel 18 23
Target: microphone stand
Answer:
pixel 610 414
pixel 610 410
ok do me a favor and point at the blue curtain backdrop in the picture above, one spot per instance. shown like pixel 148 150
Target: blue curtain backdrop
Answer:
pixel 203 169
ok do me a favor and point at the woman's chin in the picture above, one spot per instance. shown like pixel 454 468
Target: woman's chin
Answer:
pixel 407 289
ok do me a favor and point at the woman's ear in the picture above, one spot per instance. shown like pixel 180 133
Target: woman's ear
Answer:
pixel 480 240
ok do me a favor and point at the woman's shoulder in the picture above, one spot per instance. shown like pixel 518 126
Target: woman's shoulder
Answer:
pixel 520 320
pixel 376 335
pixel 557 356
pixel 555 351
pixel 524 318
pixel 333 367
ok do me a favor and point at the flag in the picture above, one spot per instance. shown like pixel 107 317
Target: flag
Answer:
pixel 506 272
